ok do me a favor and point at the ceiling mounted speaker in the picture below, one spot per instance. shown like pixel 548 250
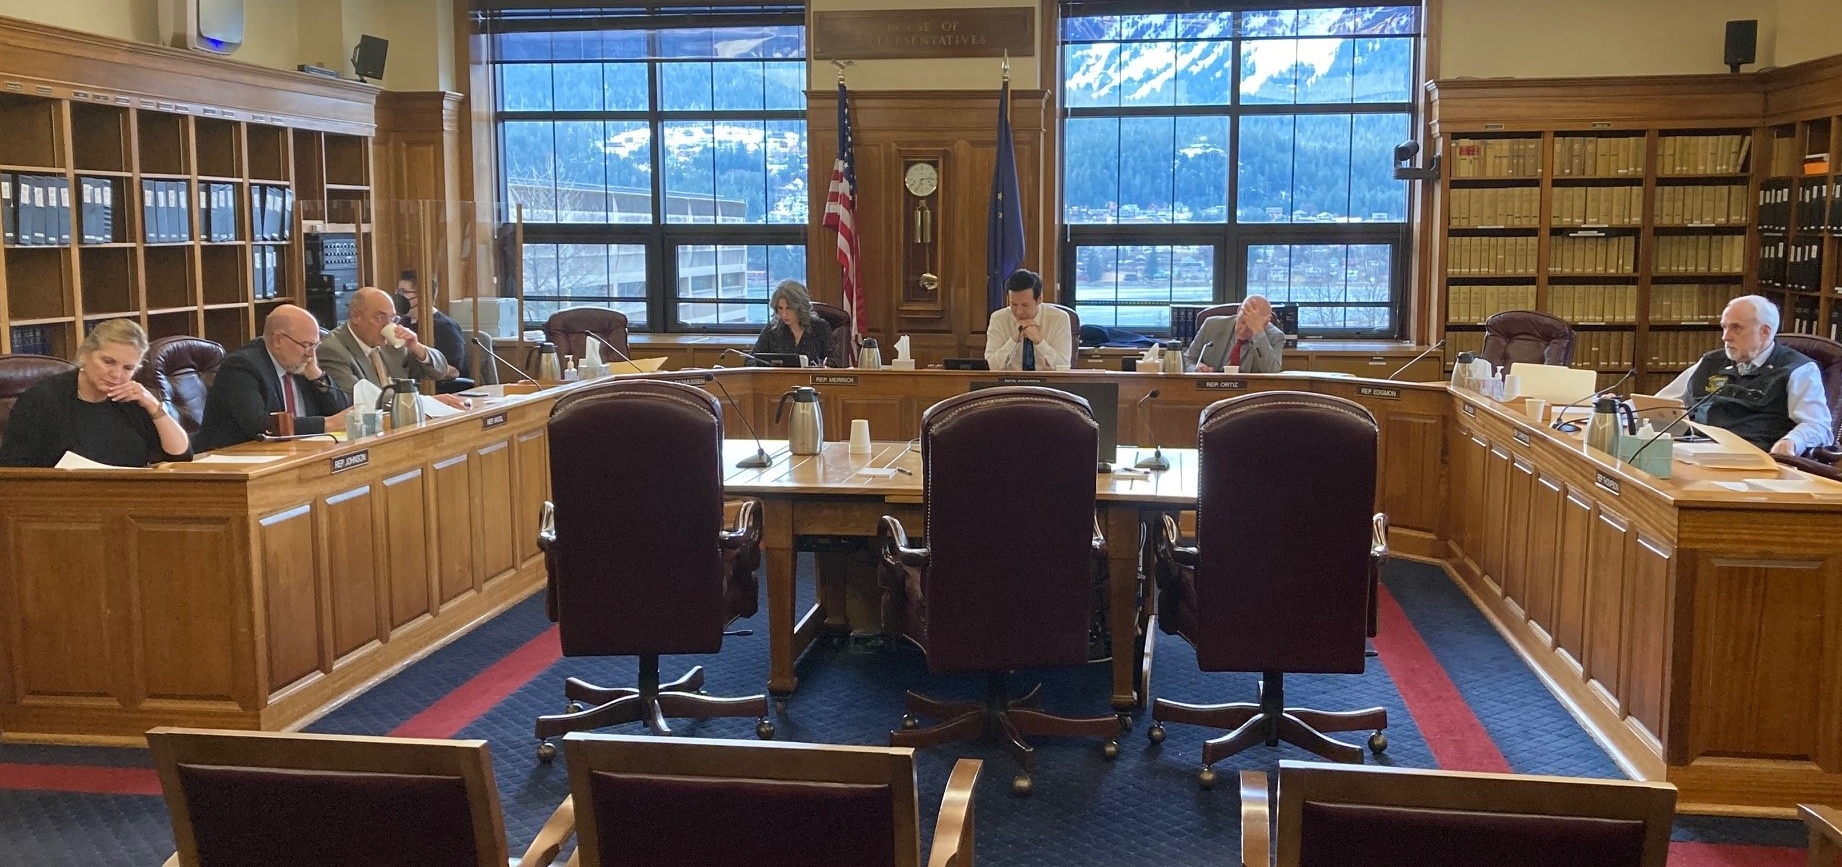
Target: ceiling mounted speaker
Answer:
pixel 203 25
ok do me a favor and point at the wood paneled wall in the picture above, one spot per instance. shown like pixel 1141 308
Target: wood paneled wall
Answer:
pixel 960 128
pixel 422 217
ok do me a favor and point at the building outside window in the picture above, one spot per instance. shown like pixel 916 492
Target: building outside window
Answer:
pixel 1214 154
pixel 658 153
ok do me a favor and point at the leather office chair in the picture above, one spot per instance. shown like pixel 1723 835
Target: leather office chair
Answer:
pixel 567 329
pixel 646 801
pixel 1207 313
pixel 261 799
pixel 18 373
pixel 1828 357
pixel 1528 337
pixel 1074 335
pixel 1287 551
pixel 997 595
pixel 1825 825
pixel 641 562
pixel 1393 817
pixel 180 370
pixel 841 353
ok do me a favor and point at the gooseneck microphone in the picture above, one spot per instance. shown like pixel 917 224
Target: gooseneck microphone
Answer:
pixel 761 458
pixel 611 347
pixel 1157 461
pixel 486 347
pixel 750 358
pixel 1725 389
pixel 1416 359
pixel 1560 415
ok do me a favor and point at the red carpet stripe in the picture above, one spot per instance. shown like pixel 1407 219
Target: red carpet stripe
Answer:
pixel 458 709
pixel 85 779
pixel 1734 855
pixel 1453 732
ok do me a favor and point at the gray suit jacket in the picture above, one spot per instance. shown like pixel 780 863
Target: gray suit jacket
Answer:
pixel 1264 353
pixel 347 361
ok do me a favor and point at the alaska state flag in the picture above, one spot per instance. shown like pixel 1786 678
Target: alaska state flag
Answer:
pixel 1004 231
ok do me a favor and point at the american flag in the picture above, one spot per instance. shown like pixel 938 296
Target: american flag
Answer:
pixel 841 214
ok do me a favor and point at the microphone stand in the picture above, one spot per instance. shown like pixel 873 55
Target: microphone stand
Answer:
pixel 611 347
pixel 747 357
pixel 1157 461
pixel 761 458
pixel 1416 359
pixel 1560 415
pixel 487 348
pixel 1678 419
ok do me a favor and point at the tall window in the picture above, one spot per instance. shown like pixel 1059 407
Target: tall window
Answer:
pixel 659 156
pixel 1214 154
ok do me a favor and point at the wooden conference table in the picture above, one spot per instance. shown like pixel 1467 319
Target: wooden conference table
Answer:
pixel 1694 628
pixel 836 493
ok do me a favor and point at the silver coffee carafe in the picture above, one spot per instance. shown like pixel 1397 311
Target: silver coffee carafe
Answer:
pixel 806 423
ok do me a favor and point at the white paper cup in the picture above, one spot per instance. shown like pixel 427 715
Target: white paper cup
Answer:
pixel 860 436
pixel 1536 408
pixel 1232 369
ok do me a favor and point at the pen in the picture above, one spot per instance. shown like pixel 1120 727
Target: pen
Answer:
pixel 905 471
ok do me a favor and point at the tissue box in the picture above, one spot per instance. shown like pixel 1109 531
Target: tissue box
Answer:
pixel 497 317
pixel 1653 455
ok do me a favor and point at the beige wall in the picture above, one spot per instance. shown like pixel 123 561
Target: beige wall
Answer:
pixel 1808 29
pixel 283 34
pixel 1487 38
pixel 959 73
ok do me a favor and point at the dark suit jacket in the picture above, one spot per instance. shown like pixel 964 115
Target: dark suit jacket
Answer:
pixel 248 388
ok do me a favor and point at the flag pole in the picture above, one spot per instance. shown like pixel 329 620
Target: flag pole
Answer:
pixel 841 64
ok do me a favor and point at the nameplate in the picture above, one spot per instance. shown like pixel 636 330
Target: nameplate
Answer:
pixel 1469 409
pixel 1021 380
pixel 834 379
pixel 1221 385
pixel 1522 436
pixel 699 379
pixel 353 461
pixel 492 421
pixel 1379 393
pixel 1606 482
pixel 924 33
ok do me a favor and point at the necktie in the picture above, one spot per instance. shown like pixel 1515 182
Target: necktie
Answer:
pixel 1029 355
pixel 1234 355
pixel 377 366
pixel 1745 369
pixel 288 401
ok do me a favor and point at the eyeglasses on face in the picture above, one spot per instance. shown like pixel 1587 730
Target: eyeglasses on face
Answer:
pixel 298 342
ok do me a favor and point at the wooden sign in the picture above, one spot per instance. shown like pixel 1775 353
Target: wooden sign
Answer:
pixel 1379 393
pixel 1221 385
pixel 924 33
pixel 834 379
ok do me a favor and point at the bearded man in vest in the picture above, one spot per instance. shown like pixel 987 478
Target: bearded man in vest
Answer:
pixel 1766 392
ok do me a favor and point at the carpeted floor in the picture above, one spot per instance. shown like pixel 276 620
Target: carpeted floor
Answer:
pixel 1457 696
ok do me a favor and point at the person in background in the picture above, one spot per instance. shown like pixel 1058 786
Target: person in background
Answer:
pixel 448 338
pixel 372 347
pixel 1247 341
pixel 794 328
pixel 277 372
pixel 1768 393
pixel 1026 334
pixel 97 411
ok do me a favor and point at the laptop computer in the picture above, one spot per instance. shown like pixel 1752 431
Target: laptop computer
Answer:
pixel 967 364
pixel 782 359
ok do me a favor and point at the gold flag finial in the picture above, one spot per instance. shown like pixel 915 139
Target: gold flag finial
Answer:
pixel 841 64
pixel 1005 66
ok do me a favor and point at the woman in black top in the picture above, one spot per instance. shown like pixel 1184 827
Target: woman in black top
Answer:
pixel 97 410
pixel 794 328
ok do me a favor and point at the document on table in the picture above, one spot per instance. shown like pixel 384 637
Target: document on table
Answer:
pixel 74 461
pixel 236 459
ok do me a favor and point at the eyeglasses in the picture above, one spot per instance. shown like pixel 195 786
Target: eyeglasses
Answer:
pixel 385 317
pixel 297 342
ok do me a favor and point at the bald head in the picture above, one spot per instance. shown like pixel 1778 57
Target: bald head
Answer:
pixel 371 312
pixel 1257 305
pixel 292 335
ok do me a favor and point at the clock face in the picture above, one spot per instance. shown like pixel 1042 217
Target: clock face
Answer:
pixel 922 179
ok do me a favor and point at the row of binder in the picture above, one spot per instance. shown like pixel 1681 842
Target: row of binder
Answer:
pixel 268 279
pixel 271 211
pixel 217 213
pixel 37 209
pixel 166 212
pixel 32 340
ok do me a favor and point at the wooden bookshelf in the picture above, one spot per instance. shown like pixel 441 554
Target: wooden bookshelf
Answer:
pixel 1645 204
pixel 76 111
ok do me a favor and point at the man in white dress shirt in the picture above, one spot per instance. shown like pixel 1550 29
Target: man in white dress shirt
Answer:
pixel 1764 391
pixel 1026 334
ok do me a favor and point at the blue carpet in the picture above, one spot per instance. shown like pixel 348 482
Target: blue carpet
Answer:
pixel 1143 808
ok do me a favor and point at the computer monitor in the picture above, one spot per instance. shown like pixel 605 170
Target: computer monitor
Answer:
pixel 1101 397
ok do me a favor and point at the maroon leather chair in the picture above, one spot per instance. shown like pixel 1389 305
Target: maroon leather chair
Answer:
pixel 18 373
pixel 1529 337
pixel 1074 328
pixel 180 370
pixel 567 329
pixel 713 802
pixel 641 562
pixel 256 799
pixel 1207 313
pixel 841 353
pixel 1005 581
pixel 1331 816
pixel 1828 357
pixel 1287 550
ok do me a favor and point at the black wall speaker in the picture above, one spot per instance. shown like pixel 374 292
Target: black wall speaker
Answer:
pixel 368 57
pixel 1742 43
